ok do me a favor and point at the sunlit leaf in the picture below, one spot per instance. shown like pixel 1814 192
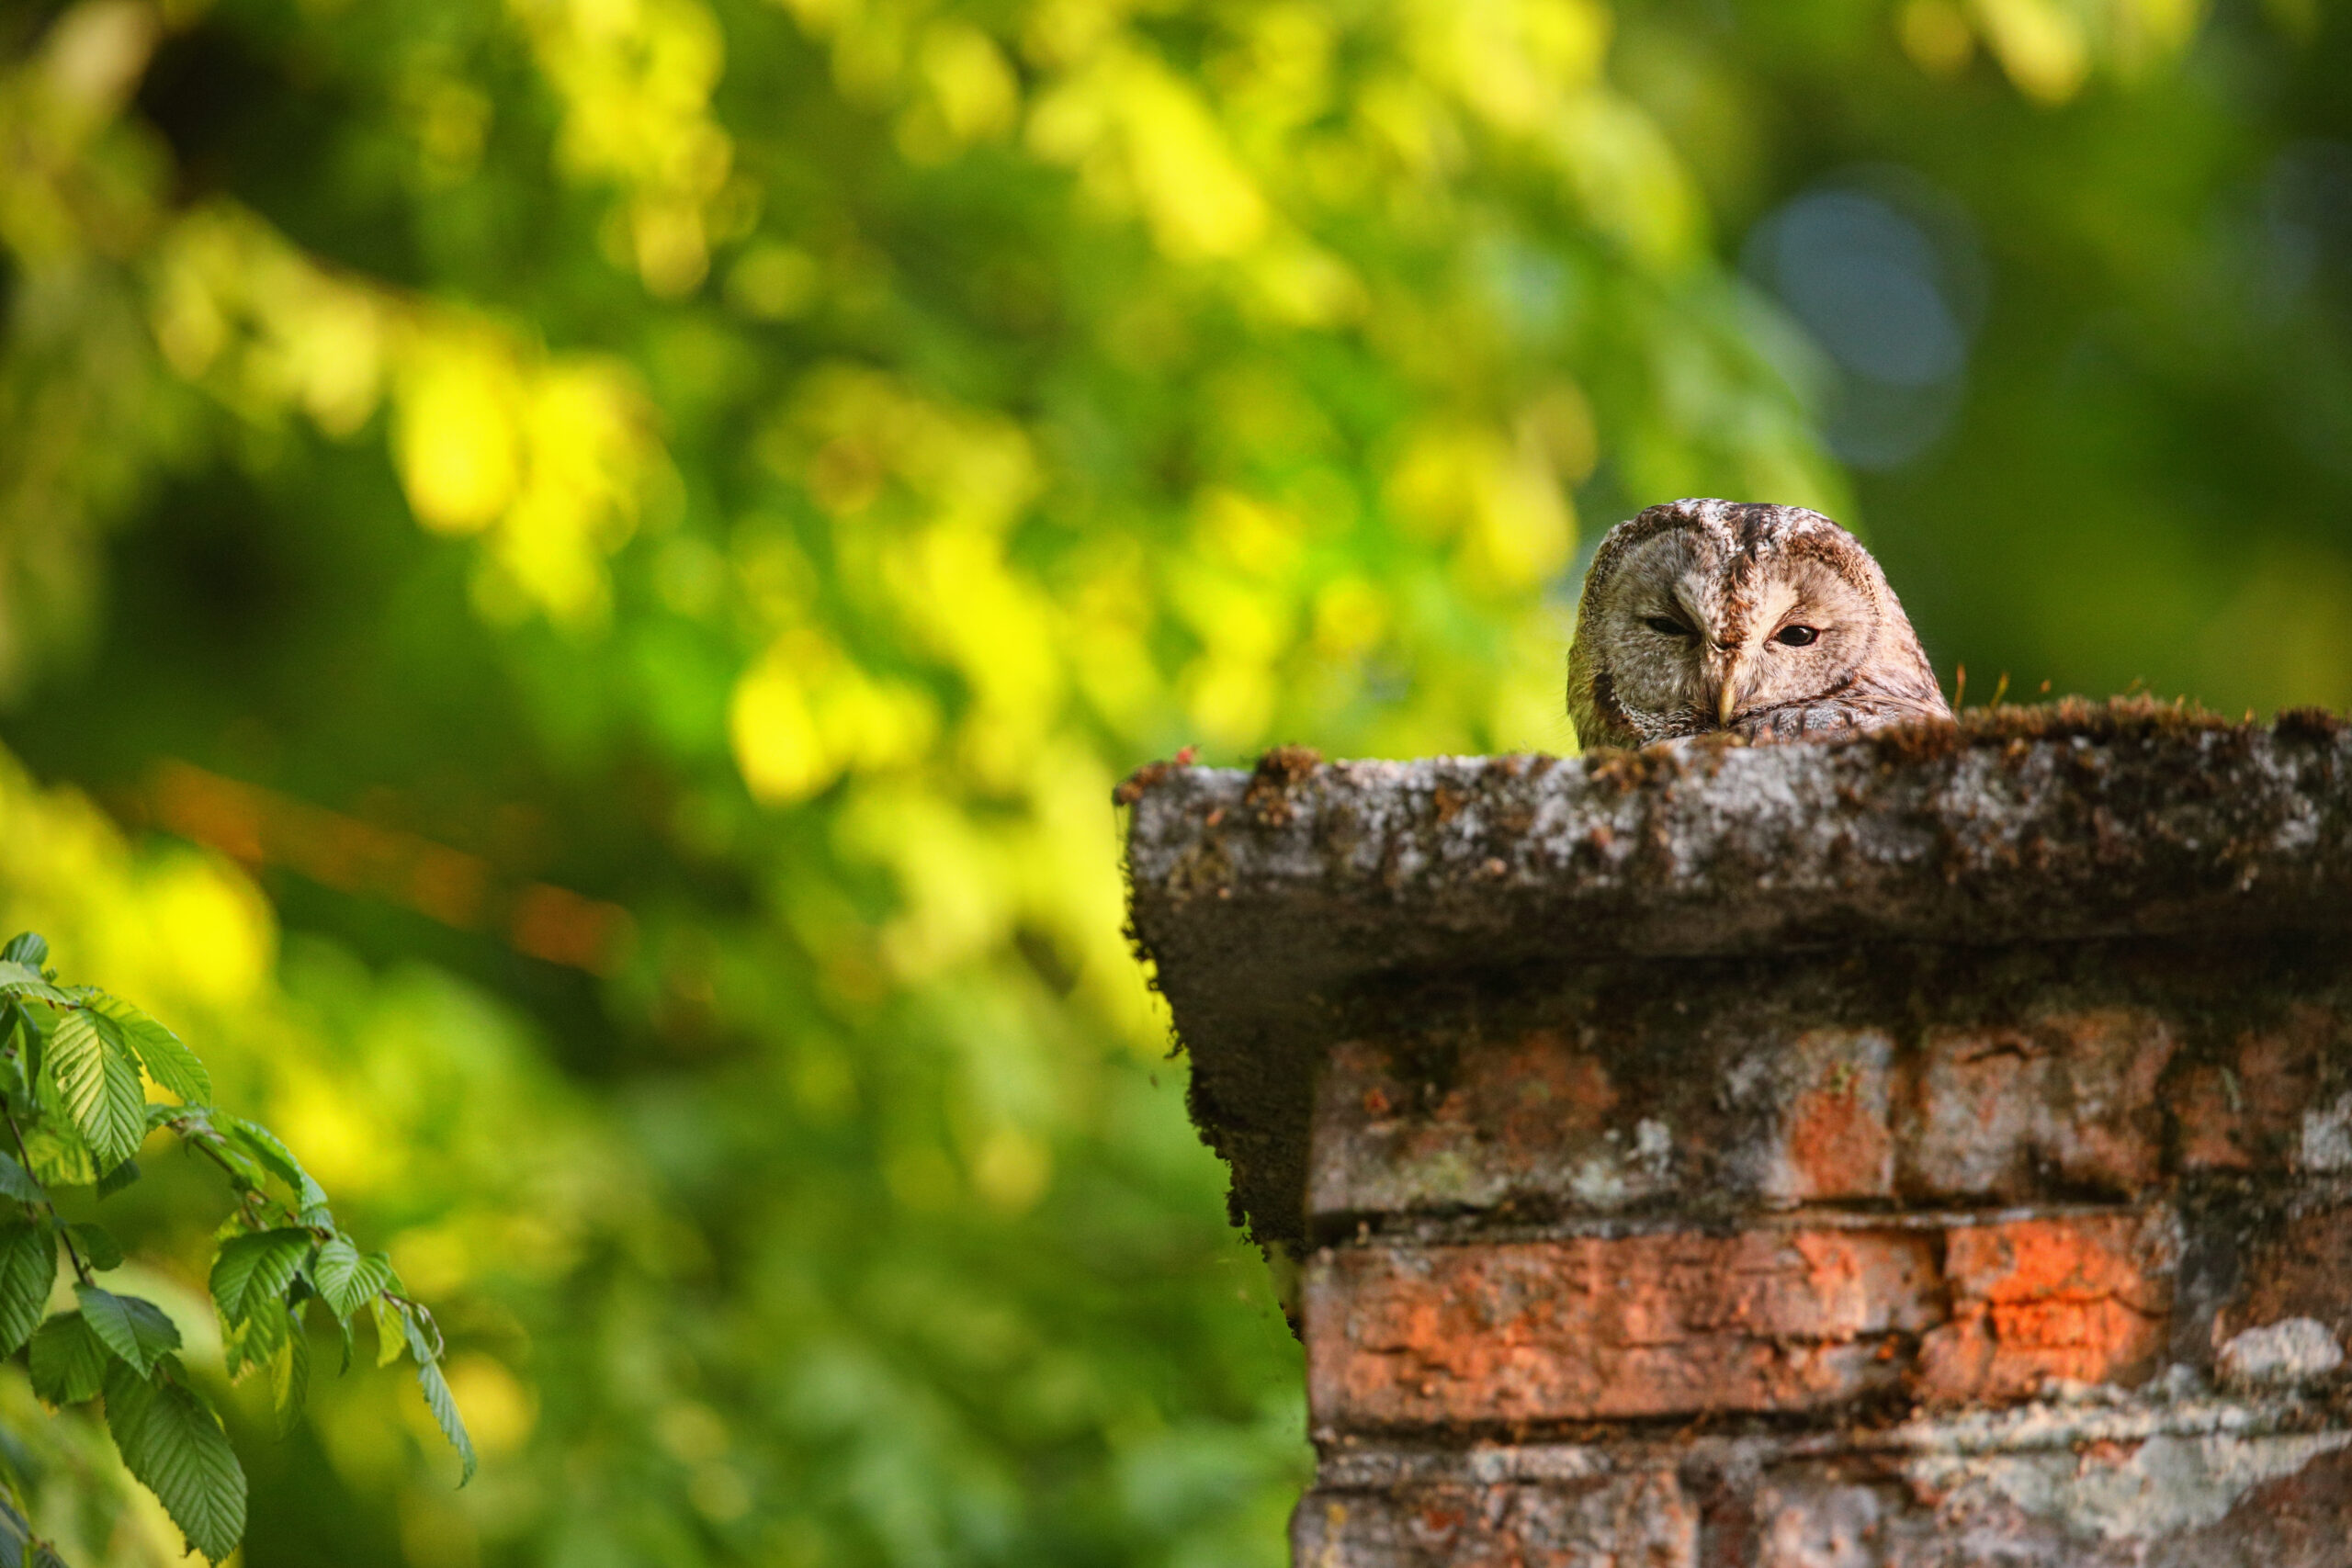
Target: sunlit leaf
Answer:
pixel 391 1330
pixel 258 1338
pixel 347 1280
pixel 290 1376
pixel 168 1061
pixel 99 1085
pixel 280 1160
pixel 22 983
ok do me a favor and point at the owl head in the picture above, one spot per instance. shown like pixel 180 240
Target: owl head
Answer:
pixel 1770 622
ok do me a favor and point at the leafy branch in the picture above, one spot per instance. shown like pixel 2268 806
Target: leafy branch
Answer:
pixel 73 1066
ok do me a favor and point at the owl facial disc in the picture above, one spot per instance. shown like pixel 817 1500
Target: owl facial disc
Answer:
pixel 1766 621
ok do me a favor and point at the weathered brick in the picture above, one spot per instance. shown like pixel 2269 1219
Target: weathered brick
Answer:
pixel 1958 1498
pixel 1999 1113
pixel 1775 1116
pixel 2169 1502
pixel 2246 1112
pixel 1531 1116
pixel 1641 1520
pixel 1832 1140
pixel 1599 1328
pixel 2305 1271
pixel 2080 1298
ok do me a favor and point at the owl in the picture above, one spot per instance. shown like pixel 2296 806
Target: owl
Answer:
pixel 1768 622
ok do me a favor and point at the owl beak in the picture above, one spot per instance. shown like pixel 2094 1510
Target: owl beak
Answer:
pixel 1734 687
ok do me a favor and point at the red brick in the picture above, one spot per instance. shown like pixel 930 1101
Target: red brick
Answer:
pixel 1836 1142
pixel 2083 1298
pixel 1543 1117
pixel 1534 1116
pixel 2074 1094
pixel 2246 1112
pixel 1592 1327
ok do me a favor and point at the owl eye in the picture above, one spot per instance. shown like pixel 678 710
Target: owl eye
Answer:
pixel 1665 625
pixel 1796 636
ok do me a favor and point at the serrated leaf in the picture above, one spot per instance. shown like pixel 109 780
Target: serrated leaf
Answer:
pixel 27 1270
pixel 165 1055
pixel 345 1280
pixel 68 1360
pixel 253 1269
pixel 99 1085
pixel 18 1182
pixel 99 1247
pixel 391 1330
pixel 60 1157
pixel 443 1406
pixel 121 1177
pixel 343 1323
pixel 290 1376
pixel 171 1441
pixel 23 982
pixel 280 1160
pixel 254 1341
pixel 133 1329
pixel 28 948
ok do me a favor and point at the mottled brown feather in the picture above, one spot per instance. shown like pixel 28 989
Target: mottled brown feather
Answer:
pixel 1736 576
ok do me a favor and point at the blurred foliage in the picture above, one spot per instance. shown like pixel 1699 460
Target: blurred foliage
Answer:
pixel 75 1063
pixel 636 536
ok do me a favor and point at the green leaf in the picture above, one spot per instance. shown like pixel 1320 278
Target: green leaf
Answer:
pixel 14 1081
pixel 444 1406
pixel 121 1177
pixel 16 1535
pixel 99 1249
pixel 345 1280
pixel 280 1162
pixel 290 1376
pixel 100 1088
pixel 27 1270
pixel 258 1338
pixel 28 948
pixel 167 1060
pixel 171 1441
pixel 19 980
pixel 391 1330
pixel 343 1323
pixel 68 1360
pixel 254 1268
pixel 59 1156
pixel 18 1182
pixel 133 1329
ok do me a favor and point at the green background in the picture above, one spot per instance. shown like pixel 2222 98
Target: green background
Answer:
pixel 576 575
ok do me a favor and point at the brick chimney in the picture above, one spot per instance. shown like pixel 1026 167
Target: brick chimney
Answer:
pixel 1924 1151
